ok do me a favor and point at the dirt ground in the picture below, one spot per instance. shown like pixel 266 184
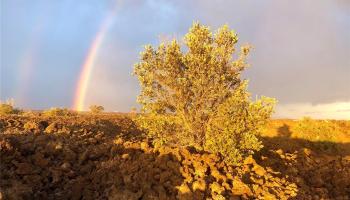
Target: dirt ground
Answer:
pixel 107 157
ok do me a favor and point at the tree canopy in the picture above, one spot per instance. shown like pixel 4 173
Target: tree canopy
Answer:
pixel 194 95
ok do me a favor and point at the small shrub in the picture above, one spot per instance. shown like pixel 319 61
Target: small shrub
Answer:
pixel 317 130
pixel 7 108
pixel 51 128
pixel 53 112
pixel 95 109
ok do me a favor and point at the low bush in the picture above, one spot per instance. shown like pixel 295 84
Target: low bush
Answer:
pixel 96 109
pixel 317 130
pixel 7 108
pixel 53 112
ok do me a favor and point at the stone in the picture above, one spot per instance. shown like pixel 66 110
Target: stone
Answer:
pixel 240 188
pixel 66 166
pixel 199 185
pixel 24 168
pixel 40 161
pixel 125 156
pixel 259 170
pixel 144 146
pixel 249 161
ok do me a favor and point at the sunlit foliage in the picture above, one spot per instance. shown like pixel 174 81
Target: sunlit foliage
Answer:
pixel 7 107
pixel 57 112
pixel 195 95
pixel 317 130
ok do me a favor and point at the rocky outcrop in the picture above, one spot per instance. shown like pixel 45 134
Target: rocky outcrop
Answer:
pixel 107 158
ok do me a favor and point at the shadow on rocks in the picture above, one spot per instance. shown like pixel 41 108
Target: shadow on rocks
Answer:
pixel 321 170
pixel 48 166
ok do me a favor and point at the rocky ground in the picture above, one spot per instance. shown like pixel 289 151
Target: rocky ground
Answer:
pixel 106 157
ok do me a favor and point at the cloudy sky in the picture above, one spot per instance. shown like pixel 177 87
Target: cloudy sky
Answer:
pixel 301 50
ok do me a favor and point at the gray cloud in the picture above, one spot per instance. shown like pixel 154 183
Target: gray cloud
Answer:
pixel 301 50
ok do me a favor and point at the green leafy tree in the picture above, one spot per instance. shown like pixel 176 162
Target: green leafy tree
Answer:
pixel 96 109
pixel 195 95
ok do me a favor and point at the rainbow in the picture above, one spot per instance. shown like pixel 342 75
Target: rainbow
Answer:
pixel 28 60
pixel 88 64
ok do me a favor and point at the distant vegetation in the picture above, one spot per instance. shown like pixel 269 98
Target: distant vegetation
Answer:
pixel 52 112
pixel 8 108
pixel 317 130
pixel 198 98
pixel 96 109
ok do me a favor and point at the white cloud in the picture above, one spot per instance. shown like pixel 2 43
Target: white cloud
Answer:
pixel 336 110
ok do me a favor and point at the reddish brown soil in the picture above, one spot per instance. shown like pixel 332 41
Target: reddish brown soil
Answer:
pixel 106 157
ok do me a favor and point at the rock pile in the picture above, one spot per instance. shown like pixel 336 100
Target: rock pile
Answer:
pixel 317 176
pixel 107 158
